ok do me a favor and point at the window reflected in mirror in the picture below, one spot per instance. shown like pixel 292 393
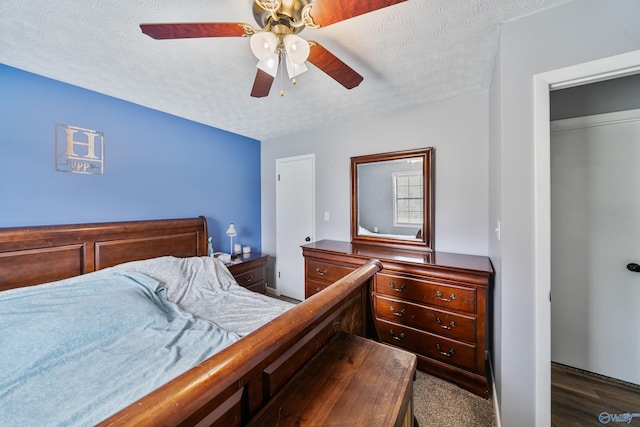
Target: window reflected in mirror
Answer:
pixel 407 199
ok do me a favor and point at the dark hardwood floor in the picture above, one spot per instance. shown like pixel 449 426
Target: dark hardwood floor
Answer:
pixel 578 398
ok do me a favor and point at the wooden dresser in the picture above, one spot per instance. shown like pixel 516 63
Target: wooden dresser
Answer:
pixel 250 271
pixel 434 304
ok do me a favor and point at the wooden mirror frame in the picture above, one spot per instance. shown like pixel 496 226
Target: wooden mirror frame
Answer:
pixel 426 242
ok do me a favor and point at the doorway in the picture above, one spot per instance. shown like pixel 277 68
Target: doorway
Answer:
pixel 595 239
pixel 619 65
pixel 295 221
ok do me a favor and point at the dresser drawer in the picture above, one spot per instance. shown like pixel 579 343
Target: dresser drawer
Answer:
pixel 427 292
pixel 326 272
pixel 250 271
pixel 429 345
pixel 440 322
pixel 313 287
pixel 250 278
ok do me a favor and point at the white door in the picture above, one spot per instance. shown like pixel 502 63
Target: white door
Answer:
pixel 595 235
pixel 295 221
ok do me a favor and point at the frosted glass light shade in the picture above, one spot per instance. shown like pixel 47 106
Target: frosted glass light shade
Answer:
pixel 297 48
pixel 263 45
pixel 270 66
pixel 294 69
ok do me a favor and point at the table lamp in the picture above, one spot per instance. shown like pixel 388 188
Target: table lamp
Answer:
pixel 231 231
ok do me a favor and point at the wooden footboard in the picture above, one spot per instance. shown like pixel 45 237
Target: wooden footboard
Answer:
pixel 230 387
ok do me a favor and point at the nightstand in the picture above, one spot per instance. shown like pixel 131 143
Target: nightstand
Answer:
pixel 250 271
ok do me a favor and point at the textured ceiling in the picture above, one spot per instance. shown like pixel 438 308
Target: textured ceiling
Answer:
pixel 411 53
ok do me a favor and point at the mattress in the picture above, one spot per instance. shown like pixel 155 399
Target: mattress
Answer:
pixel 76 351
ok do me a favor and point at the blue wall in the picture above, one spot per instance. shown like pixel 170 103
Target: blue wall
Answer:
pixel 156 165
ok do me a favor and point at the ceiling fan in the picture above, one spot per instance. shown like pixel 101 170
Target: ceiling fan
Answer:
pixel 276 42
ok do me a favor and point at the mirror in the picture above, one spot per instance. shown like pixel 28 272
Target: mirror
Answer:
pixel 392 199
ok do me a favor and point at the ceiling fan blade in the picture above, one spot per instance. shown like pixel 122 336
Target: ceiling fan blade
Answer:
pixel 335 68
pixel 327 12
pixel 196 29
pixel 262 84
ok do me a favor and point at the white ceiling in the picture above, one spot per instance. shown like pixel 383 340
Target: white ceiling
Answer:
pixel 411 53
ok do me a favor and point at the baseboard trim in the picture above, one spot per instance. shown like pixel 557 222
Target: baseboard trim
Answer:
pixel 494 396
pixel 273 292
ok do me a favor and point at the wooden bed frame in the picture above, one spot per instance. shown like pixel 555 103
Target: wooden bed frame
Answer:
pixel 230 387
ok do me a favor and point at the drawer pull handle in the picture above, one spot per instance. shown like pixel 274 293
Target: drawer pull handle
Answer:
pixel 322 272
pixel 249 279
pixel 398 289
pixel 450 299
pixel 451 325
pixel 396 337
pixel 397 313
pixel 449 353
pixel 318 289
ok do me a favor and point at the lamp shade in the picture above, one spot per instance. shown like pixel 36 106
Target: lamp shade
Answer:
pixel 231 231
pixel 297 48
pixel 263 45
pixel 294 69
pixel 270 65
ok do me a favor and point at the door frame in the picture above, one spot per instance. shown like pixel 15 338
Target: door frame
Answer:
pixel 312 157
pixel 589 72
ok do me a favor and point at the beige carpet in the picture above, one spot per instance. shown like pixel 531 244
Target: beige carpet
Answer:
pixel 439 403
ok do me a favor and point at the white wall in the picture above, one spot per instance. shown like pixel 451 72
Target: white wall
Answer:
pixel 573 33
pixel 457 128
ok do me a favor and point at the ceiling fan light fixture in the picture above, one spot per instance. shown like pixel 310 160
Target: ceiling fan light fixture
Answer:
pixel 297 48
pixel 294 69
pixel 270 65
pixel 263 45
pixel 275 42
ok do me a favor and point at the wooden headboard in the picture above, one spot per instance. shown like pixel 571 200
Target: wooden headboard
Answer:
pixel 34 255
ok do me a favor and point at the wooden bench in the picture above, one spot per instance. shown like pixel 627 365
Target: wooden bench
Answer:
pixel 352 381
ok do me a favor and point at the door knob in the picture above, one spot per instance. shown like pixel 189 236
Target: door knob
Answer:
pixel 633 267
pixel 308 239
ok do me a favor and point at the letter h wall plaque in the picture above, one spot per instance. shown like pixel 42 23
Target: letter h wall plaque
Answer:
pixel 79 150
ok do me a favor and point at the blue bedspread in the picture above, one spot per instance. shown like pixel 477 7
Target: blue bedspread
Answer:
pixel 76 351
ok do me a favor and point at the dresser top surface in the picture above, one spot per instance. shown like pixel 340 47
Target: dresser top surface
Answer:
pixel 432 259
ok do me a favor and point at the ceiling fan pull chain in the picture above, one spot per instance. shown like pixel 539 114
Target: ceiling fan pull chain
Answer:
pixel 282 73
